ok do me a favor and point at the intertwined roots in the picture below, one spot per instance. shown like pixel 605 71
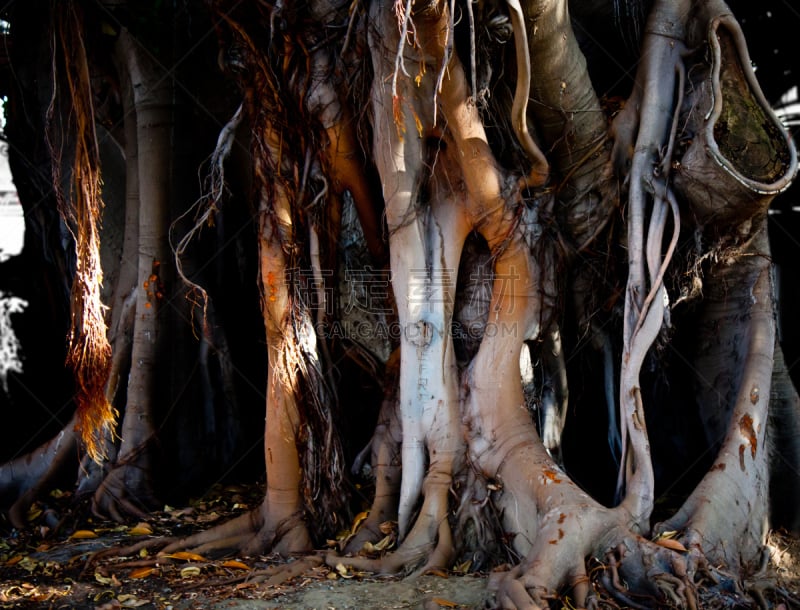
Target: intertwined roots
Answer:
pixel 701 155
pixel 693 160
pixel 553 203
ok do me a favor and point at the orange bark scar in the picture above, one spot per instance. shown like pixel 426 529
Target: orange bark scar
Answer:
pixel 747 430
pixel 273 289
pixel 550 475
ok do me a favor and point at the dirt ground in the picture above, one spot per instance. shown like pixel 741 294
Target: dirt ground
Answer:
pixel 61 566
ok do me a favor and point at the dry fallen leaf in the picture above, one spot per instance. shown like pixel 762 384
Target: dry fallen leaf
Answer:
pixel 445 603
pixel 388 527
pixel 209 517
pixel 359 518
pixel 82 535
pixel 131 601
pixel 185 556
pixel 140 529
pixel 103 580
pixel 237 565
pixel 382 545
pixel 142 572
pixel 190 572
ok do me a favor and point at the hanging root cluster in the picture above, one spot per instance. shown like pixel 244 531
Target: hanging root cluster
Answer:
pixel 76 181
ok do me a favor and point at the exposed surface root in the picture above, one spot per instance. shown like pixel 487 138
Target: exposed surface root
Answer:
pixel 25 479
pixel 249 534
pixel 385 466
pixel 126 491
pixel 428 546
pixel 571 527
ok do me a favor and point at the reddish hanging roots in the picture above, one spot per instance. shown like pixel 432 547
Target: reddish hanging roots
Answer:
pixel 88 352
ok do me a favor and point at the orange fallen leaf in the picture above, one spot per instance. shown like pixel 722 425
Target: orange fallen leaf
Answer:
pixel 83 534
pixel 142 572
pixel 238 565
pixel 437 572
pixel 14 560
pixel 185 556
pixel 445 603
pixel 670 543
pixel 360 517
pixel 141 529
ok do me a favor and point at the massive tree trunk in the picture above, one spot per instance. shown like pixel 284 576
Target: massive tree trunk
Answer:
pixel 128 485
pixel 517 204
